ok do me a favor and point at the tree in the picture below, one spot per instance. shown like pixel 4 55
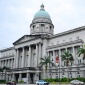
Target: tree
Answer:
pixel 68 58
pixel 44 62
pixel 5 70
pixel 81 51
pixel 1 70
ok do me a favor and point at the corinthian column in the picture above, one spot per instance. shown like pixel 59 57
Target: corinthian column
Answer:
pixel 14 64
pixel 39 52
pixel 60 57
pixel 74 55
pixel 17 57
pixel 23 54
pixel 29 57
pixel 36 54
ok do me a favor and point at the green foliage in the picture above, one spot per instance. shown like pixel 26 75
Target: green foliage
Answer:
pixel 14 81
pixel 81 51
pixel 2 81
pixel 67 56
pixel 63 80
pixel 21 81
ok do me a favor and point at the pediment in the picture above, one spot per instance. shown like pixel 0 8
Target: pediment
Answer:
pixel 22 39
pixel 25 38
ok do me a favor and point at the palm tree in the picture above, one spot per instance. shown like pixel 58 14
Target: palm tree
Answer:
pixel 44 62
pixel 81 51
pixel 68 58
pixel 1 70
pixel 5 70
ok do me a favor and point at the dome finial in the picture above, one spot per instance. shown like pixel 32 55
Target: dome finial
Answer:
pixel 42 7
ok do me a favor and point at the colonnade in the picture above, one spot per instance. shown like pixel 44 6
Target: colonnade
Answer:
pixel 20 77
pixel 29 53
pixel 58 52
pixel 7 62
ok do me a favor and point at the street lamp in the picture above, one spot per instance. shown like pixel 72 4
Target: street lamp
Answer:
pixel 57 61
pixel 59 72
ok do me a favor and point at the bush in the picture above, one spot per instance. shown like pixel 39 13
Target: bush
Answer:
pixel 2 81
pixel 21 81
pixel 64 79
pixel 50 80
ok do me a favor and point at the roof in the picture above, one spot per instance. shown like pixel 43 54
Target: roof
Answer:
pixel 42 13
pixel 69 31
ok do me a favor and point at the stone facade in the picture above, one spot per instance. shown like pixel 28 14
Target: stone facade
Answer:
pixel 24 57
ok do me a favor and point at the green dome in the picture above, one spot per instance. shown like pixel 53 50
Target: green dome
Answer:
pixel 42 13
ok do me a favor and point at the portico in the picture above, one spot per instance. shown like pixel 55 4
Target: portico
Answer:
pixel 30 74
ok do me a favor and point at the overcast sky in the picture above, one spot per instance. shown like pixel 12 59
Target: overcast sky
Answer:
pixel 16 17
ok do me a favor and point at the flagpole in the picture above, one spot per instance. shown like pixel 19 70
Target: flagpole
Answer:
pixel 59 72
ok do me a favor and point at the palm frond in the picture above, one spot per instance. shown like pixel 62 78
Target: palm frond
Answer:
pixel 6 68
pixel 1 69
pixel 67 56
pixel 81 51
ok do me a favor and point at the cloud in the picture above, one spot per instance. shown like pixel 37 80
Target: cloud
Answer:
pixel 16 17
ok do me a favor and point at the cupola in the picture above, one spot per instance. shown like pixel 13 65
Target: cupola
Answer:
pixel 41 23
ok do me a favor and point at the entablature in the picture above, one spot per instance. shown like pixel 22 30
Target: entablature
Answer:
pixel 77 42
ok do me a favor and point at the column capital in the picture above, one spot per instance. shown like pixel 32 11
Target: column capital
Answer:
pixel 39 42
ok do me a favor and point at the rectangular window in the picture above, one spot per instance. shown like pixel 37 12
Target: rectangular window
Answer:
pixel 77 37
pixel 70 39
pixel 57 42
pixel 63 41
pixel 51 53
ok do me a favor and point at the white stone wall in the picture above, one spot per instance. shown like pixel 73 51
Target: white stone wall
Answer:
pixel 7 53
pixel 67 38
pixel 37 28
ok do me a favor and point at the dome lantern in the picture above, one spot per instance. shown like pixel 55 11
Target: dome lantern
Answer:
pixel 42 13
pixel 42 7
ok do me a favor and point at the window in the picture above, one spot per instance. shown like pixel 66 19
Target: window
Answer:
pixel 57 42
pixel 78 76
pixel 51 53
pixel 46 27
pixel 63 41
pixel 51 43
pixel 33 26
pixel 63 73
pixel 80 61
pixel 42 25
pixel 64 63
pixel 70 39
pixel 77 37
pixel 71 63
pixel 50 27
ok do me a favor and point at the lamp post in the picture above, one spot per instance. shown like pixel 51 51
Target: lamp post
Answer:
pixel 59 72
pixel 57 61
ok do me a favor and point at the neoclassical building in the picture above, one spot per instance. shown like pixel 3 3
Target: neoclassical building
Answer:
pixel 24 57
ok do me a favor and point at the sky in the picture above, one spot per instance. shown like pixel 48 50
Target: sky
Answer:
pixel 17 15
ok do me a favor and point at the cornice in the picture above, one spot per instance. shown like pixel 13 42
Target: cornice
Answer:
pixel 6 57
pixel 68 32
pixel 6 49
pixel 66 43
